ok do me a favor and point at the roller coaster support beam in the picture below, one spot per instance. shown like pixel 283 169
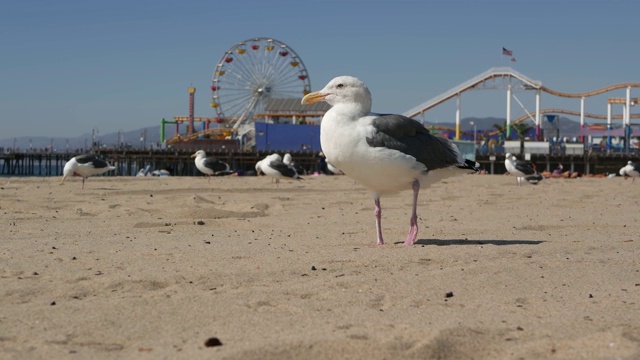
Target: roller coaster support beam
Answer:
pixel 458 117
pixel 508 134
pixel 582 118
pixel 538 117
pixel 609 144
pixel 627 123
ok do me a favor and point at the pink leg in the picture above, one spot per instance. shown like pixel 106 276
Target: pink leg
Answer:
pixel 413 222
pixel 83 182
pixel 378 213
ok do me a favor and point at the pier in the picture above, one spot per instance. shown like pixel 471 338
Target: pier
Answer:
pixel 179 162
pixel 129 162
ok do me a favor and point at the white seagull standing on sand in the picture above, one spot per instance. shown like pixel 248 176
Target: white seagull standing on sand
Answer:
pixel 85 166
pixel 630 170
pixel 209 165
pixel 273 166
pixel 522 170
pixel 385 153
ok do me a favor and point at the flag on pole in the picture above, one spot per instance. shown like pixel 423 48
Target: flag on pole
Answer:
pixel 507 52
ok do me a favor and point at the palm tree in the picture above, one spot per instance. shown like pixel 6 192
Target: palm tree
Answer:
pixel 502 129
pixel 521 129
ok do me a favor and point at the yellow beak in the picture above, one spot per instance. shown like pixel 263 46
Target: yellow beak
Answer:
pixel 313 98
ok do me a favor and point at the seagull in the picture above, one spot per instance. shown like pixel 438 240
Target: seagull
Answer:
pixel 522 169
pixel 273 166
pixel 209 165
pixel 85 166
pixel 630 170
pixel 385 153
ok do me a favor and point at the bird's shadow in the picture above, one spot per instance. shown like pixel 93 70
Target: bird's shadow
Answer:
pixel 448 242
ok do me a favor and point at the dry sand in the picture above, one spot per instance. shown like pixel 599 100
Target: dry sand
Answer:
pixel 151 268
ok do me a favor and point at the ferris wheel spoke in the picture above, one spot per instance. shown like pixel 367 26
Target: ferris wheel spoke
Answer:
pixel 279 68
pixel 238 77
pixel 245 72
pixel 289 82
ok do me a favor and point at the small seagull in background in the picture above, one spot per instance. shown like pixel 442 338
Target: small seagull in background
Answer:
pixel 274 167
pixel 85 166
pixel 210 165
pixel 522 170
pixel 631 170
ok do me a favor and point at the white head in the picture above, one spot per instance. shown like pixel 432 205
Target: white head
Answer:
pixel 199 154
pixel 343 90
pixel 287 159
pixel 69 169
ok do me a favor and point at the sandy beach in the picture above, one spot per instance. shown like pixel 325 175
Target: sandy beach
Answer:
pixel 166 268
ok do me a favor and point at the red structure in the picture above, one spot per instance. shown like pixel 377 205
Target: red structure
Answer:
pixel 192 93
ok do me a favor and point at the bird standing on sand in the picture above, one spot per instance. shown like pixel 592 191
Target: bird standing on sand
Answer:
pixel 630 170
pixel 522 170
pixel 85 166
pixel 273 166
pixel 209 165
pixel 385 153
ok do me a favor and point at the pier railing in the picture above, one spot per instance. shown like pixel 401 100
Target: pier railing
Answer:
pixel 179 163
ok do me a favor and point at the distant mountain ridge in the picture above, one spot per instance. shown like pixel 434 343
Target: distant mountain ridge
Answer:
pixel 134 139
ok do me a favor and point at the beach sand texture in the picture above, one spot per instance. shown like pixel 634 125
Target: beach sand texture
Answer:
pixel 151 268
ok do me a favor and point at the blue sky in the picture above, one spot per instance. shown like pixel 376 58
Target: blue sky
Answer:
pixel 67 67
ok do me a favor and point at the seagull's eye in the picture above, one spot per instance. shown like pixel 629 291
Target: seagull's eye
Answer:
pixel 340 86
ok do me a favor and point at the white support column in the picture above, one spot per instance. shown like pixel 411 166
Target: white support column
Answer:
pixel 458 117
pixel 609 142
pixel 538 116
pixel 509 111
pixel 627 113
pixel 582 112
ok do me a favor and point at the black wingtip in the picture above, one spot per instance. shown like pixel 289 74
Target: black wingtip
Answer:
pixel 470 165
pixel 534 179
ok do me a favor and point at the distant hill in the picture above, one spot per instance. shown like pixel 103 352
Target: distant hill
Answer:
pixel 133 139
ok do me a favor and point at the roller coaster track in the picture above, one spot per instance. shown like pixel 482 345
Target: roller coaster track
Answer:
pixel 506 74
pixel 591 93
pixel 542 112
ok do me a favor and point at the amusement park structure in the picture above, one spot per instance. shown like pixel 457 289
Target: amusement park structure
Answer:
pixel 250 76
pixel 262 79
pixel 509 79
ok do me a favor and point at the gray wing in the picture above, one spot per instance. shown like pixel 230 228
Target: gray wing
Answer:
pixel 215 164
pixel 524 167
pixel 283 169
pixel 408 136
pixel 88 158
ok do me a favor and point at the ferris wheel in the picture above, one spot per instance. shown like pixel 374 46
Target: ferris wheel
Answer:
pixel 252 72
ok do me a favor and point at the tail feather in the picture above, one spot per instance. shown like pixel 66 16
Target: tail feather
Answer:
pixel 470 165
pixel 534 179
